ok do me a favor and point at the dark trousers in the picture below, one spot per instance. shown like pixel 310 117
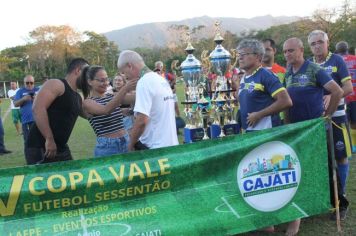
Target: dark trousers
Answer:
pixel 140 146
pixel 36 155
pixel 343 202
pixel 26 131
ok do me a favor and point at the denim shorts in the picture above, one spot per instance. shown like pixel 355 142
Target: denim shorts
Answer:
pixel 128 122
pixel 111 146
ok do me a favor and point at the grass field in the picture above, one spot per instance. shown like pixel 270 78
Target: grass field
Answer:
pixel 82 144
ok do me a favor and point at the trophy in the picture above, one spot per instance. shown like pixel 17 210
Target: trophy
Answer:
pixel 222 98
pixel 220 60
pixel 191 71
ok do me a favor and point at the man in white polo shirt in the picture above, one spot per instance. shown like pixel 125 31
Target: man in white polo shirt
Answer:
pixel 155 124
pixel 15 111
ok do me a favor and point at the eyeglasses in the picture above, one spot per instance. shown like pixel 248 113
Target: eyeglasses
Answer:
pixel 319 42
pixel 27 83
pixel 288 50
pixel 102 80
pixel 241 55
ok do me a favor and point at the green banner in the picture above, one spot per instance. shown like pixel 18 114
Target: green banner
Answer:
pixel 215 187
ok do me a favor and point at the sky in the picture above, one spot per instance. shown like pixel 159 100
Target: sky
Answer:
pixel 19 17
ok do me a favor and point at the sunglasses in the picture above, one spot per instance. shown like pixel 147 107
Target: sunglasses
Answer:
pixel 29 83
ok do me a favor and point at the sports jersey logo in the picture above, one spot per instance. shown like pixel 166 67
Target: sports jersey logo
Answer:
pixel 329 69
pixel 303 80
pixel 270 172
pixel 251 87
pixel 340 145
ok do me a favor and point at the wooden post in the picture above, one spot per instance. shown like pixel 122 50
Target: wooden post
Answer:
pixel 333 161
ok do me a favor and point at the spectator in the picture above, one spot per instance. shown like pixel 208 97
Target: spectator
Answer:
pixel 171 79
pixel 127 109
pixel 3 150
pixel 15 111
pixel 268 61
pixel 159 68
pixel 24 99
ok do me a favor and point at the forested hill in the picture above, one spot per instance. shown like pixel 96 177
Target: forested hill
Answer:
pixel 161 34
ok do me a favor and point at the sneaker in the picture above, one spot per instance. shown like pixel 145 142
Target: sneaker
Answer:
pixel 5 152
pixel 342 212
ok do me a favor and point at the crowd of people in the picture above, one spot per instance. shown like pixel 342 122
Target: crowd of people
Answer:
pixel 308 89
pixel 140 110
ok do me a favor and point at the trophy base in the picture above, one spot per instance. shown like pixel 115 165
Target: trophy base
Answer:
pixel 229 129
pixel 192 135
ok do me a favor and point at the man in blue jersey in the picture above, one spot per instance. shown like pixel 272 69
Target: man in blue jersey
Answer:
pixel 261 94
pixel 335 66
pixel 342 49
pixel 24 98
pixel 305 82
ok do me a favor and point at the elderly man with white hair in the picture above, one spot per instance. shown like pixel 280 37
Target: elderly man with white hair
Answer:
pixel 154 125
pixel 335 66
pixel 261 94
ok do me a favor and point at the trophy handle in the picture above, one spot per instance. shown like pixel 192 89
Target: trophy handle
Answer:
pixel 174 66
pixel 234 57
pixel 205 60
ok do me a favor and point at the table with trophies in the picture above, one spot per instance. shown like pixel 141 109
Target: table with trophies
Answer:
pixel 209 112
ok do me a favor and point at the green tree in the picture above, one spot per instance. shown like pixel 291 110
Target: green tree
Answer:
pixel 97 49
pixel 50 47
pixel 14 63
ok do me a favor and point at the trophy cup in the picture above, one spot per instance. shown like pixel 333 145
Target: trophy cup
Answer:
pixel 191 71
pixel 220 60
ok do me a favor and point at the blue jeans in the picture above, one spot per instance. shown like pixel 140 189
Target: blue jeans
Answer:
pixel 111 146
pixel 128 122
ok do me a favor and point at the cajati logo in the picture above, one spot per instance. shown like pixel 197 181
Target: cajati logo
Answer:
pixel 268 177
